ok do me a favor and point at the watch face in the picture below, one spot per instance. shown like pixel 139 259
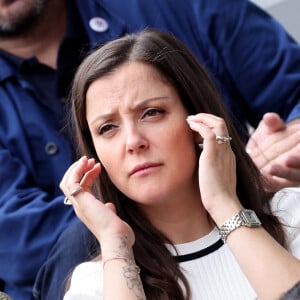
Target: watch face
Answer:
pixel 250 218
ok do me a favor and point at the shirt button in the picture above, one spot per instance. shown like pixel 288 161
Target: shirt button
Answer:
pixel 51 148
pixel 98 24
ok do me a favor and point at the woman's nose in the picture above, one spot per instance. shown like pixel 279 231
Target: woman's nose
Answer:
pixel 135 141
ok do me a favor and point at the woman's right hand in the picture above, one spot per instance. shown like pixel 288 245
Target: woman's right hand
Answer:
pixel 101 219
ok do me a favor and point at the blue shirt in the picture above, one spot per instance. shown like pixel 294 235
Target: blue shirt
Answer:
pixel 254 63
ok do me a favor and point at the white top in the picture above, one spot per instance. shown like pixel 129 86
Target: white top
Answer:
pixel 267 3
pixel 208 264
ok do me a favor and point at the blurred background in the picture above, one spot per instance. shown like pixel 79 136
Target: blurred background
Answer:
pixel 287 12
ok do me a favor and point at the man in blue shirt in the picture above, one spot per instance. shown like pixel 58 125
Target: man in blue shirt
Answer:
pixel 252 60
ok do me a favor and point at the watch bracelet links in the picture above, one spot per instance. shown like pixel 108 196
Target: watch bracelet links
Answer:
pixel 230 225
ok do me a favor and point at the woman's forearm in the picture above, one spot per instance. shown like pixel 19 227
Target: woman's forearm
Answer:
pixel 120 272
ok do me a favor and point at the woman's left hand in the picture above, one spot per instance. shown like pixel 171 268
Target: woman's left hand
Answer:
pixel 217 165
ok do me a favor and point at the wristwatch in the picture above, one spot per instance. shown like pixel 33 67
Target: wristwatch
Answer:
pixel 246 217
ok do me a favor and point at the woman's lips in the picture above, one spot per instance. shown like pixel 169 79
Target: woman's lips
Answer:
pixel 144 168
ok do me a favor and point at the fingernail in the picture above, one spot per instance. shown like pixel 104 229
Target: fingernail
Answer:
pixel 191 117
pixel 248 150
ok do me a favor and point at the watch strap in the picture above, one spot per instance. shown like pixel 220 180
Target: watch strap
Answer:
pixel 229 226
pixel 245 217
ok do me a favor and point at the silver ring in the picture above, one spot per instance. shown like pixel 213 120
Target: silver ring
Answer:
pixel 75 191
pixel 222 139
pixel 67 201
pixel 72 194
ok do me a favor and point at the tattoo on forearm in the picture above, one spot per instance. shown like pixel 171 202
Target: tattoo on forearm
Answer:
pixel 133 280
pixel 130 270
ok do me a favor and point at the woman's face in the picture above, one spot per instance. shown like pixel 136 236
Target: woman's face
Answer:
pixel 139 129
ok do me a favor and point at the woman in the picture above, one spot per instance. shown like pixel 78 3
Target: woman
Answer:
pixel 172 176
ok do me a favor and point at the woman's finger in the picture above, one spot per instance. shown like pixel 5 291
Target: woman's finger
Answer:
pixel 81 174
pixel 90 176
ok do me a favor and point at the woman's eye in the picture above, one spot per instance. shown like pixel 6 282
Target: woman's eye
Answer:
pixel 152 112
pixel 106 128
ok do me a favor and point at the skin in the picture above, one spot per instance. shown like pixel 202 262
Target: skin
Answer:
pixel 126 134
pixel 17 16
pixel 25 30
pixel 275 148
pixel 139 120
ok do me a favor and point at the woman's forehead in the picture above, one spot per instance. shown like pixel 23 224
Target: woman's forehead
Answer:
pixel 130 83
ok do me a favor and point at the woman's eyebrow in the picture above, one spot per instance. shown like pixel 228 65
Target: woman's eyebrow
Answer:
pixel 101 117
pixel 134 106
pixel 148 100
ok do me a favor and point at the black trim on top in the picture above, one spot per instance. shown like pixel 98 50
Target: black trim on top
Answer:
pixel 200 253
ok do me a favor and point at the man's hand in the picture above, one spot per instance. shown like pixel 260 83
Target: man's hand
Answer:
pixel 275 148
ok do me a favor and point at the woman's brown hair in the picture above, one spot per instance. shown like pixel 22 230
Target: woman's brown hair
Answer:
pixel 161 275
